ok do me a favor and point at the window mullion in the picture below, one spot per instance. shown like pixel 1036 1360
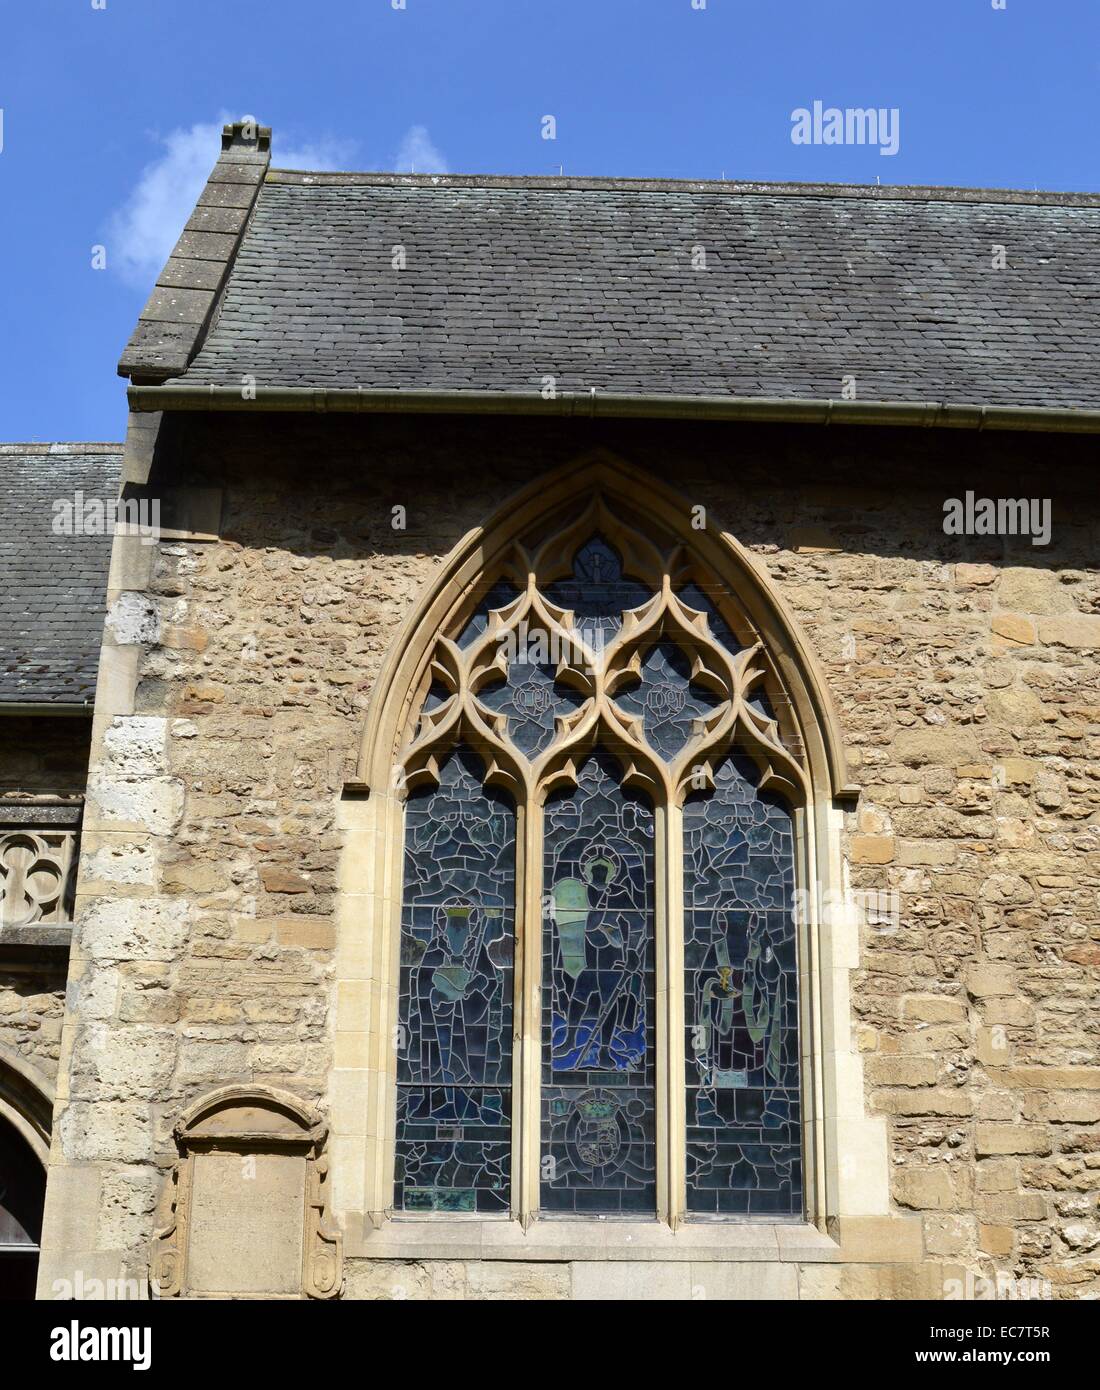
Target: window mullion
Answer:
pixel 527 1058
pixel 671 1115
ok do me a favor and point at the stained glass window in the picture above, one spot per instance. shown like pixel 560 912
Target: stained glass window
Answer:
pixel 594 753
pixel 667 701
pixel 454 1065
pixel 498 595
pixel 598 592
pixel 695 598
pixel 597 990
pixel 531 699
pixel 740 1001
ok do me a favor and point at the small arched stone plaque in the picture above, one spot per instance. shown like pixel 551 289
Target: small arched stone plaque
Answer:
pixel 244 1211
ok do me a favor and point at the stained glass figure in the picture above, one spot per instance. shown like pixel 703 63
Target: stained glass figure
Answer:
pixel 598 1128
pixel 597 592
pixel 741 1001
pixel 455 1005
pixel 667 701
pixel 532 700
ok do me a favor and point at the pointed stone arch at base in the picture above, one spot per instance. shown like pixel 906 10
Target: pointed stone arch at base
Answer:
pixel 26 1101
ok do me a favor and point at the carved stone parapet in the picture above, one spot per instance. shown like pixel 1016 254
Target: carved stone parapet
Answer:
pixel 37 867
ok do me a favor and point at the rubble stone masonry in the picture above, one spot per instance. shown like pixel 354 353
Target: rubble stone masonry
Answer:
pixel 234 683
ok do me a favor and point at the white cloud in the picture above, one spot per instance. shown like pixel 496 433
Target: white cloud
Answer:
pixel 418 155
pixel 143 231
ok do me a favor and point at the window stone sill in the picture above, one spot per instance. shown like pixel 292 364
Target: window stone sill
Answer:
pixel 457 1238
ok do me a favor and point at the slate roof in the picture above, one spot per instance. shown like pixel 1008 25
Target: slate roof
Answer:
pixel 54 586
pixel 592 282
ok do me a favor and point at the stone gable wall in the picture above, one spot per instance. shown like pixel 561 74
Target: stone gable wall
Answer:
pixel 966 676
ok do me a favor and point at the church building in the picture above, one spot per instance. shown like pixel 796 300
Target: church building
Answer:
pixel 577 773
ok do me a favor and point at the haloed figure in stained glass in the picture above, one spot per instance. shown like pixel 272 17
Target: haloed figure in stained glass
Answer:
pixel 457 986
pixel 597 1096
pixel 741 1000
pixel 599 1019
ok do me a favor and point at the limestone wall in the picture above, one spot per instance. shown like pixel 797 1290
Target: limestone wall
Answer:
pixel 235 678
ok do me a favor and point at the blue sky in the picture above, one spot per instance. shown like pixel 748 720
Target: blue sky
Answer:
pixel 110 120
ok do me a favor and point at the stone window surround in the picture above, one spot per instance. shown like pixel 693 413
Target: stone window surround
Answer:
pixel 847 1176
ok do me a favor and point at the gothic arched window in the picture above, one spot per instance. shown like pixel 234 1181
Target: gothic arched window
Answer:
pixel 598 990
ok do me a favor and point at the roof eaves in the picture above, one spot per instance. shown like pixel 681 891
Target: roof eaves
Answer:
pixel 173 323
pixel 791 410
pixel 61 707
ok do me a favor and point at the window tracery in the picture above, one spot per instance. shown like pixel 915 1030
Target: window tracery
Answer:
pixel 599 792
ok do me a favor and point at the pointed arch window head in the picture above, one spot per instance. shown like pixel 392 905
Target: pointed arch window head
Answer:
pixel 599 966
pixel 598 630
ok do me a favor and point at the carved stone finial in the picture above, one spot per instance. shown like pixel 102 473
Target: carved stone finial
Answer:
pixel 247 135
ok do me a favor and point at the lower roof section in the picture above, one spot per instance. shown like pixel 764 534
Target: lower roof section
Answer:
pixel 55 551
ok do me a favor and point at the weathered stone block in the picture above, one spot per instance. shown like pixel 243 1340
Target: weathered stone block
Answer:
pixel 943 747
pixel 133 929
pixel 116 1131
pixel 872 849
pixel 927 1189
pixel 1010 1139
pixel 508 1281
pixel 985 979
pixel 1080 630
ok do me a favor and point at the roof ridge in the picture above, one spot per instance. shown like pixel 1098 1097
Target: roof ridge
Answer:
pixel 581 182
pixel 55 446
